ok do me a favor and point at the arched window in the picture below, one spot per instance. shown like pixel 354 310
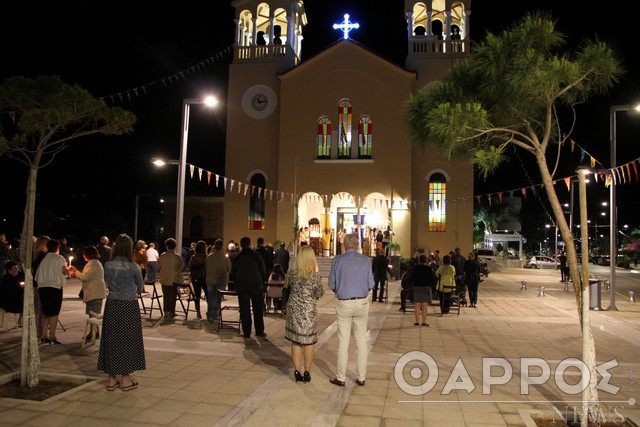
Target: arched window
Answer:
pixel 246 28
pixel 438 18
pixel 344 131
pixel 262 20
pixel 419 19
pixel 280 28
pixel 323 143
pixel 256 202
pixel 365 137
pixel 437 202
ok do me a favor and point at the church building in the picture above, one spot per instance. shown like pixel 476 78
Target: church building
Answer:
pixel 322 142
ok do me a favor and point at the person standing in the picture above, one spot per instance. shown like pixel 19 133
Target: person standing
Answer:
pixel 472 277
pixel 11 290
pixel 281 256
pixel 275 283
pixel 104 250
pixel 436 258
pixel 387 237
pixel 381 270
pixel 305 289
pixel 351 279
pixel 65 250
pixel 140 256
pixel 457 261
pixel 563 267
pixel 152 264
pixel 445 274
pixel 122 346
pixel 5 255
pixel 266 253
pixel 170 266
pixel 217 270
pixel 51 276
pixel 39 252
pixel 94 289
pixel 197 271
pixel 423 282
pixel 249 274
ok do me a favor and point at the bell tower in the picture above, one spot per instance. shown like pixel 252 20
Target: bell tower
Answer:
pixel 438 36
pixel 268 41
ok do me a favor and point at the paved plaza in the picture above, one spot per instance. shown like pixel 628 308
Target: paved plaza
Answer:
pixel 198 376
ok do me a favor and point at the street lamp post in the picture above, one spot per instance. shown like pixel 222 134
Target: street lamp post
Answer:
pixel 135 223
pixel 613 250
pixel 182 163
pixel 182 167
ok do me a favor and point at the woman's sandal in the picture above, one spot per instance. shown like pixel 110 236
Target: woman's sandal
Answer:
pixel 113 386
pixel 132 386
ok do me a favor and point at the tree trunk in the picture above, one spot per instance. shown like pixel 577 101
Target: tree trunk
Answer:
pixel 580 286
pixel 30 356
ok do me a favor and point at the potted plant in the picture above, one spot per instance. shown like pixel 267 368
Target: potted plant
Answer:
pixel 394 249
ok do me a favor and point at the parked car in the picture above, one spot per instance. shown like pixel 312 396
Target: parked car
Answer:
pixel 541 261
pixel 486 254
pixel 604 260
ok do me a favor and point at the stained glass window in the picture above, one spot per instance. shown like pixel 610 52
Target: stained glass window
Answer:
pixel 437 202
pixel 324 138
pixel 344 130
pixel 257 203
pixel 365 137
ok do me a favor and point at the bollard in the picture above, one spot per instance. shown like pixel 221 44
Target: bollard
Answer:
pixel 523 286
pixel 595 294
pixel 566 286
pixel 541 291
pixel 632 297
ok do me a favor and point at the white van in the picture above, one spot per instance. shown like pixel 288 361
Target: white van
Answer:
pixel 486 254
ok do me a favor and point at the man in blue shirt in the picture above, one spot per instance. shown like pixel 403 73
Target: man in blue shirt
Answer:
pixel 351 279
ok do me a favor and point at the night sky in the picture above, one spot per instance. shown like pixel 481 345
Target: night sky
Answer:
pixel 147 58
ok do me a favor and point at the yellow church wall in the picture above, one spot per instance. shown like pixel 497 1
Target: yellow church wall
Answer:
pixel 251 146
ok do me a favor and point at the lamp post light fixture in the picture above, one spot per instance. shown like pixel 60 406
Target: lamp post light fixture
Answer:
pixel 209 101
pixel 613 250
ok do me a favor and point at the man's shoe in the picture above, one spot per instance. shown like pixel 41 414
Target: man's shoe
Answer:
pixel 337 382
pixel 360 383
pixel 262 335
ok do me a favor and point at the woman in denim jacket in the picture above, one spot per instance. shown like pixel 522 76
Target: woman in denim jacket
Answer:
pixel 121 344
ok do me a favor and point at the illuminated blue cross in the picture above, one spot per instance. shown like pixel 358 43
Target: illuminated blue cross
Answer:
pixel 346 26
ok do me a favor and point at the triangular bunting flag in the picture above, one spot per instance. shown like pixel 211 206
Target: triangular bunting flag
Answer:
pixel 567 181
pixel 191 169
pixel 200 174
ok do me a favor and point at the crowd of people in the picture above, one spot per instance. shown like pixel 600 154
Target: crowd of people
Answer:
pixel 261 276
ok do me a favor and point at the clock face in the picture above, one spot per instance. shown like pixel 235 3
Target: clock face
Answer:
pixel 259 102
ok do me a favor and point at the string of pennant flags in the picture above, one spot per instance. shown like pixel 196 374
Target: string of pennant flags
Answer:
pixel 128 94
pixel 243 188
pixel 624 174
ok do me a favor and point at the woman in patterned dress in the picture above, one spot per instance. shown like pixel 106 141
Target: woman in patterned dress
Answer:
pixel 305 289
pixel 121 345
